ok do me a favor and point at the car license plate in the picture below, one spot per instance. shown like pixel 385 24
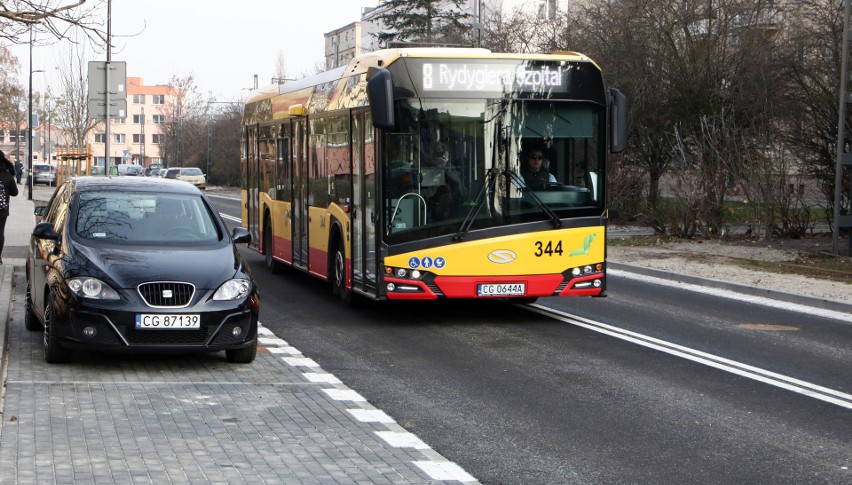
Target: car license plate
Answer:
pixel 147 321
pixel 501 289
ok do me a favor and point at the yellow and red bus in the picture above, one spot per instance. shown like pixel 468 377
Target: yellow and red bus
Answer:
pixel 401 176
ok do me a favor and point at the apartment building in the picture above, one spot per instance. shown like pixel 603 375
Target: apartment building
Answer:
pixel 136 138
pixel 342 44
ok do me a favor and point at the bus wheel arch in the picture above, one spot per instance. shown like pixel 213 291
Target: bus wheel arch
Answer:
pixel 337 263
pixel 271 264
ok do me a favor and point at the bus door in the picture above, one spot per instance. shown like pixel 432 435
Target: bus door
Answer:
pixel 252 184
pixel 299 209
pixel 364 201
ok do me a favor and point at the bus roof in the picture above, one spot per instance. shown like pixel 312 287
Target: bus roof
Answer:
pixel 385 57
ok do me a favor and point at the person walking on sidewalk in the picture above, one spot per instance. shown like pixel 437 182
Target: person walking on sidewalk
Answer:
pixel 8 188
pixel 19 170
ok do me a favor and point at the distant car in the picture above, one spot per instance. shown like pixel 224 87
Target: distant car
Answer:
pixel 44 173
pixel 98 279
pixel 153 169
pixel 192 175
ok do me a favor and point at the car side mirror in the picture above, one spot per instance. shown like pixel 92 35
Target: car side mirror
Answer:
pixel 44 230
pixel 240 235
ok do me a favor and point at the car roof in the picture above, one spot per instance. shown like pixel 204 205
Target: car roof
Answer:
pixel 144 184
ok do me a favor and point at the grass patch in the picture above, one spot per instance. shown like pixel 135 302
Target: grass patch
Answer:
pixel 816 265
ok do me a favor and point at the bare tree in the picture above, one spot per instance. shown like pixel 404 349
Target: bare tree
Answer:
pixel 508 32
pixel 72 114
pixel 54 17
pixel 280 68
pixel 184 125
pixel 11 96
pixel 814 54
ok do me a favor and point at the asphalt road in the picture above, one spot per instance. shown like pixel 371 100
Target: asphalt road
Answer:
pixel 705 389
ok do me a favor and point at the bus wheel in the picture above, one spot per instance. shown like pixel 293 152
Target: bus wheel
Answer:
pixel 338 284
pixel 273 266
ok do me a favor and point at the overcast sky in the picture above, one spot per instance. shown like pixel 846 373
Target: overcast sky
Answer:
pixel 223 44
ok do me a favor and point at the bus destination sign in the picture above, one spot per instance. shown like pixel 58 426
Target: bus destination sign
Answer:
pixel 440 76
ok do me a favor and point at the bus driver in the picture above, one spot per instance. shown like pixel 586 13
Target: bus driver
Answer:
pixel 534 169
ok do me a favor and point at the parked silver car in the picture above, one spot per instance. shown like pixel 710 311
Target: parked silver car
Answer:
pixel 44 173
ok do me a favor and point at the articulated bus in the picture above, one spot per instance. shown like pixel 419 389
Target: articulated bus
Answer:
pixel 404 176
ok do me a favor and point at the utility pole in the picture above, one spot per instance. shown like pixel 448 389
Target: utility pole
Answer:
pixel 142 141
pixel 30 126
pixel 844 156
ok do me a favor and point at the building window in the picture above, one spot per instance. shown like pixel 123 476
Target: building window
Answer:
pixel 157 138
pixel 159 119
pixel 137 138
pixel 100 138
pixel 120 138
pixel 119 121
pixel 137 119
pixel 158 99
pixel 138 99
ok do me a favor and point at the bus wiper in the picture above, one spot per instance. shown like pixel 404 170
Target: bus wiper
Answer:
pixel 554 218
pixel 487 187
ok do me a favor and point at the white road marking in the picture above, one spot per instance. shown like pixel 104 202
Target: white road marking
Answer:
pixel 271 341
pixel 284 350
pixel 757 300
pixel 344 395
pixel 226 197
pixel 444 470
pixel 402 440
pixel 300 362
pixel 230 218
pixel 774 379
pixel 321 378
pixel 371 416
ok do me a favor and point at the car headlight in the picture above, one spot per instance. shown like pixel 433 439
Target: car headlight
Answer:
pixel 233 290
pixel 92 288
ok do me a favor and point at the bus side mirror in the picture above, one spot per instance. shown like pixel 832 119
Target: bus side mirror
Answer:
pixel 380 94
pixel 619 109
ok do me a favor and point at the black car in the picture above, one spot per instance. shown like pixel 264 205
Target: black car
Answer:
pixel 127 263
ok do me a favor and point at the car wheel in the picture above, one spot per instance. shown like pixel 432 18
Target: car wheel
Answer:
pixel 273 266
pixel 245 355
pixel 54 353
pixel 30 320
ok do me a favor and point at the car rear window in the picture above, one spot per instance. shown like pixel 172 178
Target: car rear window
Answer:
pixel 191 171
pixel 145 218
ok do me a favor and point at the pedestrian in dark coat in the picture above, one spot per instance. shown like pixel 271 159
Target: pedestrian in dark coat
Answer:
pixel 8 188
pixel 19 170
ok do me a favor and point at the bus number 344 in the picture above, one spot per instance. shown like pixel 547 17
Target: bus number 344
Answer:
pixel 548 248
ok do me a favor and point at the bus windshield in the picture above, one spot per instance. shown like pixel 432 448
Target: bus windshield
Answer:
pixel 489 163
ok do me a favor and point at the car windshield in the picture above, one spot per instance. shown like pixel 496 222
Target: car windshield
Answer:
pixel 145 218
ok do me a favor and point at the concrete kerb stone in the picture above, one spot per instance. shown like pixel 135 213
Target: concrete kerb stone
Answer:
pixel 6 284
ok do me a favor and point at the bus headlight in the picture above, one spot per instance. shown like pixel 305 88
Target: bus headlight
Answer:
pixel 401 272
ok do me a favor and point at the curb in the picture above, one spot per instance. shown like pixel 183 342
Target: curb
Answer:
pixel 7 283
pixel 738 288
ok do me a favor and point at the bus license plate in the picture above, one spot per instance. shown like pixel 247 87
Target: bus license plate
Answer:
pixel 501 289
pixel 146 321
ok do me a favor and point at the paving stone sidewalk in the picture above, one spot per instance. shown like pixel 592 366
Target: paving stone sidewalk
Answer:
pixel 112 418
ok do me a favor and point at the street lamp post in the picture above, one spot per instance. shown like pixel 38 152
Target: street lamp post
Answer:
pixel 30 126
